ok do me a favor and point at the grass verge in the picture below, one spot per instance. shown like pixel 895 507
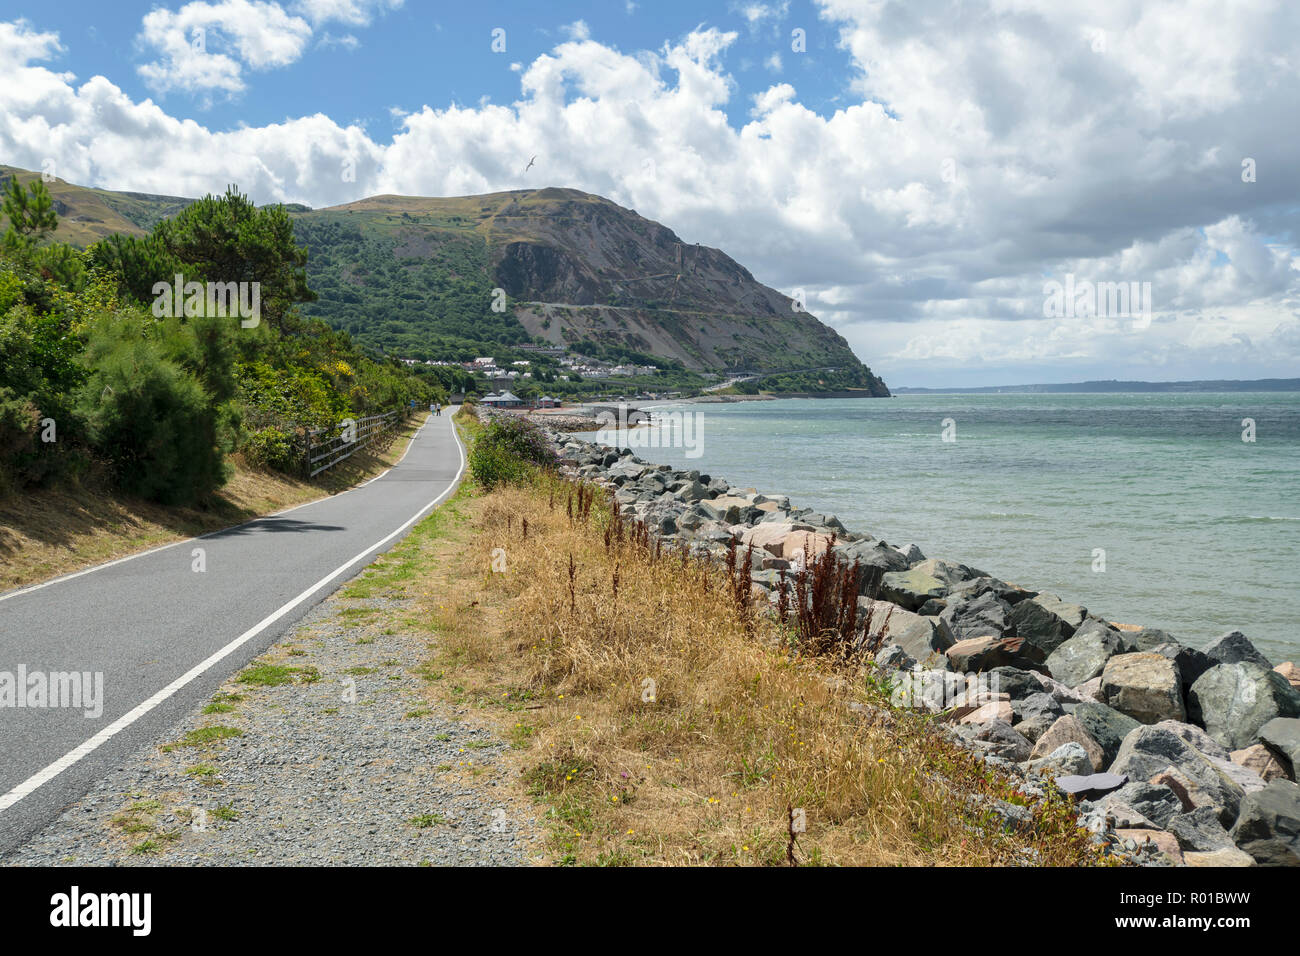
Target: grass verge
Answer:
pixel 658 723
pixel 45 533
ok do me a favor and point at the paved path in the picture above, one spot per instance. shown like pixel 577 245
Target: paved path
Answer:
pixel 164 635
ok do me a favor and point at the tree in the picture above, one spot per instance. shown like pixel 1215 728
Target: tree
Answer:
pixel 30 213
pixel 229 239
pixel 137 262
pixel 152 405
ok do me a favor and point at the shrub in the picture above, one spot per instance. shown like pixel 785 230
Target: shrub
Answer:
pixel 152 418
pixel 509 450
pixel 521 438
pixel 19 421
pixel 273 448
pixel 492 465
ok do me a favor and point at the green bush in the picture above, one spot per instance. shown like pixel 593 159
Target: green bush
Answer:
pixel 492 465
pixel 273 448
pixel 149 416
pixel 19 424
pixel 509 450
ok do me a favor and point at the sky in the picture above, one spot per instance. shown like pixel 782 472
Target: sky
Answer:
pixel 926 177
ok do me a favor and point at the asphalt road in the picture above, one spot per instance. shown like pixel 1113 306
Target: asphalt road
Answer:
pixel 164 635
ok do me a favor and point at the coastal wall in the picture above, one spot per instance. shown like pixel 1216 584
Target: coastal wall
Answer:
pixel 1189 754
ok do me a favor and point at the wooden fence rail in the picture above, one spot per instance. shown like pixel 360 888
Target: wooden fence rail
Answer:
pixel 325 447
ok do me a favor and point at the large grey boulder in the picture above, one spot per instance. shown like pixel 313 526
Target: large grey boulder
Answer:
pixel 1233 701
pixel 1233 648
pixel 727 509
pixel 693 493
pixel 1145 686
pixel 1016 683
pixel 984 584
pixel 1066 730
pixel 1199 830
pixel 979 616
pixel 999 738
pixel 1269 825
pixel 1084 656
pixel 929 580
pixel 894 658
pixel 1191 662
pixel 1244 777
pixel 875 559
pixel 914 587
pixel 1281 736
pixel 1197 737
pixel 1069 759
pixel 984 653
pixel 691 519
pixel 1150 751
pixel 1146 638
pixel 628 469
pixel 1045 622
pixel 1036 714
pixel 1106 725
pixel 920 637
pixel 1156 802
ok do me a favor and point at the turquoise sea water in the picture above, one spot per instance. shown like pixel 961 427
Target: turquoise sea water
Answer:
pixel 1201 530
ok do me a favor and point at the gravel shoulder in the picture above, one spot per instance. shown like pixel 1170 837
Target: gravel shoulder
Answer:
pixel 326 750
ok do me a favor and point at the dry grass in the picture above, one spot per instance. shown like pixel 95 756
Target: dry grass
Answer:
pixel 660 723
pixel 48 532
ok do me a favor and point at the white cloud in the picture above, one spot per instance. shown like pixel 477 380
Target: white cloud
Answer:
pixel 205 46
pixel 577 30
pixel 354 12
pixel 756 12
pixel 20 44
pixel 988 149
pixel 345 41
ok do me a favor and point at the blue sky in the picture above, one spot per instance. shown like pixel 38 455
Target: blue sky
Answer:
pixel 441 53
pixel 917 172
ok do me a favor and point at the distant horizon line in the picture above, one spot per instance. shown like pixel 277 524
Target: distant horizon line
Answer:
pixel 1119 385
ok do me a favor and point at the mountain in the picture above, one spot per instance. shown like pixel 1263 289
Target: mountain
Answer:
pixel 1214 385
pixel 87 215
pixel 418 277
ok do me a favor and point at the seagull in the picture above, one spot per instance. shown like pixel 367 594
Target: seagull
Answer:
pixel 530 164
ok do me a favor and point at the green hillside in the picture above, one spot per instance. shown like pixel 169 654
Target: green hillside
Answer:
pixel 450 279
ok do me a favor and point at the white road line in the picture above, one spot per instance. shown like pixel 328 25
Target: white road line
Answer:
pixel 163 547
pixel 43 777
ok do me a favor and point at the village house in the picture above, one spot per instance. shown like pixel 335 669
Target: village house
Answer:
pixel 503 400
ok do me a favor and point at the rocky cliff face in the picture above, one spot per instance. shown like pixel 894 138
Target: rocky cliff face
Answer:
pixel 578 267
pixel 583 267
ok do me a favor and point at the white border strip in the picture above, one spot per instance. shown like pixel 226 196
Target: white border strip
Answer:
pixel 43 777
pixel 163 547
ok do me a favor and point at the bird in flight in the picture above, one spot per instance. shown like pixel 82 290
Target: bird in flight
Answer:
pixel 530 164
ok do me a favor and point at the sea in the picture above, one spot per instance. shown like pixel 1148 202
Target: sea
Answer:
pixel 1178 511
